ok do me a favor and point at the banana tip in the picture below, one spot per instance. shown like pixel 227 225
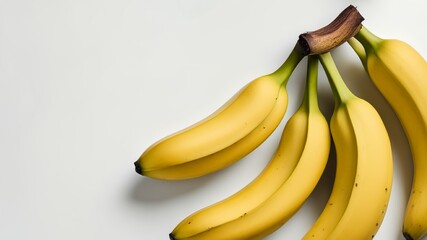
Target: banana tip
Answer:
pixel 171 237
pixel 138 168
pixel 407 236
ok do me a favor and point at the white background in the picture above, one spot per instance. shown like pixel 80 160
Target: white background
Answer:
pixel 86 86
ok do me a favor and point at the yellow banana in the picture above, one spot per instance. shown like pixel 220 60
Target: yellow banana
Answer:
pixel 223 157
pixel 280 190
pixel 227 135
pixel 364 168
pixel 400 74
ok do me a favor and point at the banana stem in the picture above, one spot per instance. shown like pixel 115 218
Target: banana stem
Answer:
pixel 358 48
pixel 284 72
pixel 310 101
pixel 369 40
pixel 341 92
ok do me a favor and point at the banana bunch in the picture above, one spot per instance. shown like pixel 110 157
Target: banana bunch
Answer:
pixel 228 134
pixel 400 74
pixel 245 121
pixel 364 166
pixel 281 188
pixel 364 162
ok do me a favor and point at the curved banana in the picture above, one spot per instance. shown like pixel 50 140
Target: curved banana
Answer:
pixel 226 156
pixel 282 187
pixel 400 74
pixel 233 131
pixel 364 169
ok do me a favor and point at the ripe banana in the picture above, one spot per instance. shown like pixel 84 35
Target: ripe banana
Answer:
pixel 364 168
pixel 227 135
pixel 400 74
pixel 281 188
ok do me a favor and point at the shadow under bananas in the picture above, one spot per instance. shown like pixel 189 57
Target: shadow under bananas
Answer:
pixel 320 195
pixel 153 190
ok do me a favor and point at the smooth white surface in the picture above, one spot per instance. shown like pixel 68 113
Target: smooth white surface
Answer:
pixel 86 86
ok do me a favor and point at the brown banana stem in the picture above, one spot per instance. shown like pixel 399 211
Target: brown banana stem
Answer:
pixel 342 28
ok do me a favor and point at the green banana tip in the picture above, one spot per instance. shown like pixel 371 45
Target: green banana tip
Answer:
pixel 171 237
pixel 138 168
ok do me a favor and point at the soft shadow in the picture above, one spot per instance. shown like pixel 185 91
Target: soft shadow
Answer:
pixel 326 99
pixel 152 190
pixel 320 195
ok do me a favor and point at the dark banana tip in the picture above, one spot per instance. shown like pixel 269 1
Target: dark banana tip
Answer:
pixel 407 236
pixel 138 168
pixel 171 237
